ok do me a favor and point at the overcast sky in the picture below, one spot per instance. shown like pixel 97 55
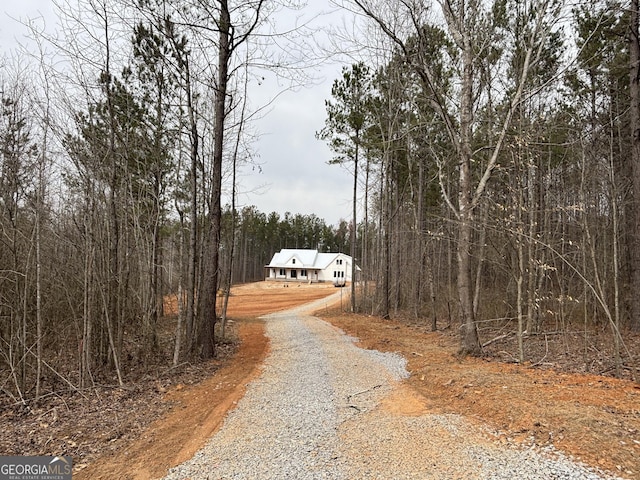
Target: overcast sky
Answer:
pixel 293 174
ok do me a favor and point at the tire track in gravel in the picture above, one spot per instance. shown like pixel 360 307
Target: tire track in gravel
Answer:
pixel 324 408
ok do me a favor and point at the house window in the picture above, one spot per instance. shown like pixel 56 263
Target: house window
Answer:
pixel 335 274
pixel 282 272
pixel 293 261
pixel 339 261
pixel 303 273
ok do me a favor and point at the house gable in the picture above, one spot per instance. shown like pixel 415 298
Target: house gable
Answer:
pixel 293 261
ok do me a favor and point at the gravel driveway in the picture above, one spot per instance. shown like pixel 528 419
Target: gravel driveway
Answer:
pixel 326 409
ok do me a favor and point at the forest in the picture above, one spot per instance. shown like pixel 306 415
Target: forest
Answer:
pixel 494 149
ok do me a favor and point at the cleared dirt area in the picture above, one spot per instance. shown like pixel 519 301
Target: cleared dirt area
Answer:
pixel 593 418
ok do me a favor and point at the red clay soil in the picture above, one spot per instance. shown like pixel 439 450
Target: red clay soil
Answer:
pixel 196 414
pixel 592 418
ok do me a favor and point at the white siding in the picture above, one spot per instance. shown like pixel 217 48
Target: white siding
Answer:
pixel 321 267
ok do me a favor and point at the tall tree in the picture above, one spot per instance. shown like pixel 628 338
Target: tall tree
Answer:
pixel 182 54
pixel 232 33
pixel 157 94
pixel 344 127
pixel 634 109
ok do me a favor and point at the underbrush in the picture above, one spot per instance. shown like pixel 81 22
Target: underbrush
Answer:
pixel 572 348
pixel 85 422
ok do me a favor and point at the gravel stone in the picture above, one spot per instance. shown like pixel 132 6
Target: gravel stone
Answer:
pixel 324 409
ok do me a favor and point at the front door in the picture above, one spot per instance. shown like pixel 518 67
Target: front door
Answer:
pixel 294 274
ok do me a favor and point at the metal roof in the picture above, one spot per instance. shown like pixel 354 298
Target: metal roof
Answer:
pixel 307 258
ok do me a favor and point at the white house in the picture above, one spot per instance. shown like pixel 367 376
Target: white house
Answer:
pixel 309 266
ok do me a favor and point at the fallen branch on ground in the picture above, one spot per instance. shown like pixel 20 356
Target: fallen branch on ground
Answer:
pixel 349 397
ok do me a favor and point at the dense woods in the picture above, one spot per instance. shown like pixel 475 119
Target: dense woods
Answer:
pixel 494 147
pixel 500 188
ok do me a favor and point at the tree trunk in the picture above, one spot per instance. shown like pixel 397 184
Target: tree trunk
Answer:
pixel 192 253
pixel 364 264
pixel 207 313
pixel 634 54
pixel 470 344
pixel 38 219
pixel 180 295
pixel 232 242
pixel 85 346
pixel 386 215
pixel 354 227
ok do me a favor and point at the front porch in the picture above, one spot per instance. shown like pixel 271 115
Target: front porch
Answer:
pixel 292 275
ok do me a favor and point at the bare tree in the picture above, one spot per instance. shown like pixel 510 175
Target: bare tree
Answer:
pixel 232 32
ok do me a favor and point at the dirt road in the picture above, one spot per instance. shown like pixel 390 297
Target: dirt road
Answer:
pixel 592 418
pixel 324 408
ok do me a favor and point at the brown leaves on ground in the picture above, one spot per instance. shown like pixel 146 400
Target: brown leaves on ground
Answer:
pixel 98 420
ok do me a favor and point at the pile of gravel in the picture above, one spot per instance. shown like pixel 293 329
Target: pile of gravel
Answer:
pixel 318 412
